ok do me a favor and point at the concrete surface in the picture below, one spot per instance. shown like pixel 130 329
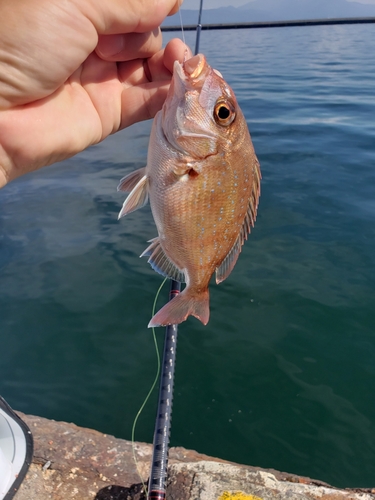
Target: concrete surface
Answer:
pixel 82 464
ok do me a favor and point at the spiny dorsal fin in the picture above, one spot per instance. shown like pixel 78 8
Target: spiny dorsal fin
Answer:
pixel 129 182
pixel 136 199
pixel 161 263
pixel 226 267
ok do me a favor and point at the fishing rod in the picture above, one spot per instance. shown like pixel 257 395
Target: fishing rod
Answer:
pixel 159 463
pixel 199 29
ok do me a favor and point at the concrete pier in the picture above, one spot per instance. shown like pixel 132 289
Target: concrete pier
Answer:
pixel 82 464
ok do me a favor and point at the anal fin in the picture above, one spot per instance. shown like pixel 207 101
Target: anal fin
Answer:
pixel 161 263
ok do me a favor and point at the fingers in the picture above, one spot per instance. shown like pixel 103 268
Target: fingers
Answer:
pixel 142 102
pixel 126 16
pixel 160 66
pixel 176 8
pixel 141 98
pixel 176 50
pixel 125 47
pixel 157 68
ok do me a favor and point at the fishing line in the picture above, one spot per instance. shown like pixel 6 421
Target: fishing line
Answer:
pixel 182 26
pixel 151 389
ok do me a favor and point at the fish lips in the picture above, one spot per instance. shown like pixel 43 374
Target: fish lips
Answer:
pixel 182 130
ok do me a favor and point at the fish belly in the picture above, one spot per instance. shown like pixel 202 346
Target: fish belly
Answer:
pixel 199 218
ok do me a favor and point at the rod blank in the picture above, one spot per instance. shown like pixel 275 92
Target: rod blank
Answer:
pixel 158 475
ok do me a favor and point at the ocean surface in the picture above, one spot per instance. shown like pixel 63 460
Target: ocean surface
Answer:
pixel 283 376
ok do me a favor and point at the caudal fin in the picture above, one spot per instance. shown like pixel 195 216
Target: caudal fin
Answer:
pixel 183 305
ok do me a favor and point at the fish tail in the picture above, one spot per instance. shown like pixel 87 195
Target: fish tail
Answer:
pixel 187 303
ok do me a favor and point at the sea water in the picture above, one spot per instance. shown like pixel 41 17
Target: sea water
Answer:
pixel 283 376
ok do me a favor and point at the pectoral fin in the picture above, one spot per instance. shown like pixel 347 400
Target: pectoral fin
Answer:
pixel 137 198
pixel 129 182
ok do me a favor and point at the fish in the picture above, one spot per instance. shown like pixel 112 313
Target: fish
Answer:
pixel 202 179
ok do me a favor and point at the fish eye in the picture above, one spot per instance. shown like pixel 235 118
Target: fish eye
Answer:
pixel 224 113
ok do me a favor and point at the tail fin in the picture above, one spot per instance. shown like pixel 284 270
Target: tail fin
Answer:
pixel 187 303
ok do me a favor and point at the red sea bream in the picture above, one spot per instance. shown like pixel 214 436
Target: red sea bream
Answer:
pixel 203 182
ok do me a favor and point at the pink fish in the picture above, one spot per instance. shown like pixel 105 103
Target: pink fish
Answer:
pixel 203 181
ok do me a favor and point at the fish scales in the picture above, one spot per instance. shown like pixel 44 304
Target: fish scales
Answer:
pixel 203 182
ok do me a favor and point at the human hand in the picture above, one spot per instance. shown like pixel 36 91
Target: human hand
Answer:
pixel 73 72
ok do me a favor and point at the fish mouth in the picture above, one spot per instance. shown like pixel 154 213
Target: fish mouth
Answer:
pixel 179 123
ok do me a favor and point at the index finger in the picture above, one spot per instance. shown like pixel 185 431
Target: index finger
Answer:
pixel 119 16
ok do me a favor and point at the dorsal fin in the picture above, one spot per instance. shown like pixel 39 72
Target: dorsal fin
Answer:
pixel 136 199
pixel 129 182
pixel 161 263
pixel 226 267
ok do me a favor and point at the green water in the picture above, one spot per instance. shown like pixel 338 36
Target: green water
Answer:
pixel 283 376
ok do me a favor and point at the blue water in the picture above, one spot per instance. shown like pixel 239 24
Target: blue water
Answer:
pixel 283 376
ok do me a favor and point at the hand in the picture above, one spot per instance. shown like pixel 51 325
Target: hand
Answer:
pixel 73 72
